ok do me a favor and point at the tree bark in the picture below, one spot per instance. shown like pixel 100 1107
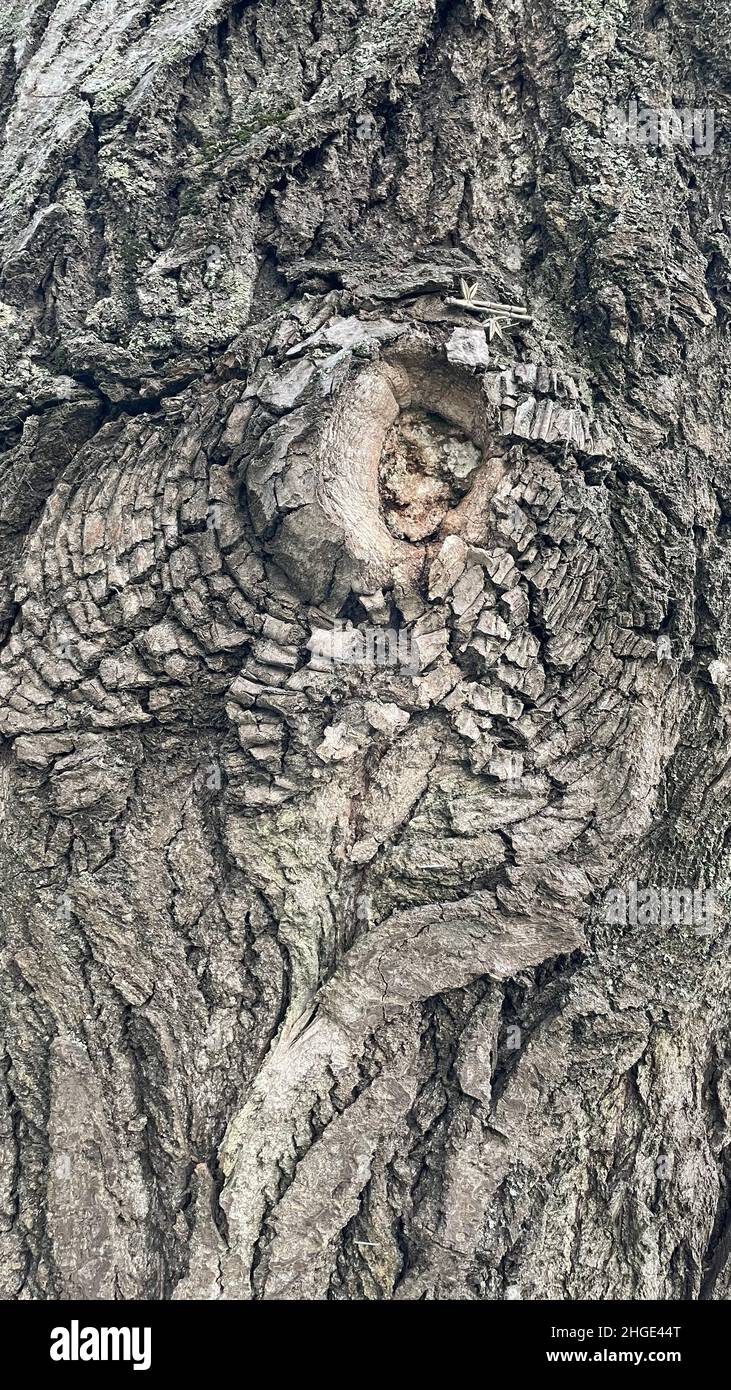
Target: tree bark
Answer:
pixel 364 655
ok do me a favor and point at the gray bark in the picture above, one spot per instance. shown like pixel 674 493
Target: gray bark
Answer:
pixel 308 985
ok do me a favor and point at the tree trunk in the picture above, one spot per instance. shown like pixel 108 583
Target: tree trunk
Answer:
pixel 365 653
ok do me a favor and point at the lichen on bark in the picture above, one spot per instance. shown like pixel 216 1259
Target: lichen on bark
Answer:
pixel 308 986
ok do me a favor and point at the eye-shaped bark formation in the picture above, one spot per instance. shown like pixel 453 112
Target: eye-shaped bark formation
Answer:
pixel 323 494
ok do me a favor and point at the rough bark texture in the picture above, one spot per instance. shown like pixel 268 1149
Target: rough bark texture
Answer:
pixel 307 989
